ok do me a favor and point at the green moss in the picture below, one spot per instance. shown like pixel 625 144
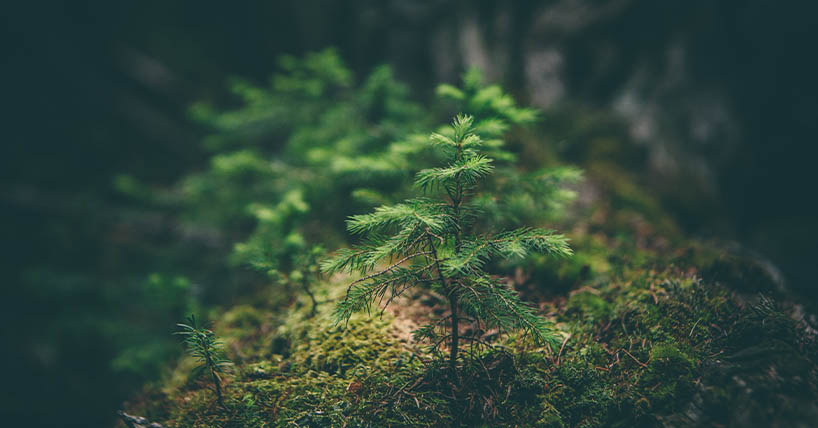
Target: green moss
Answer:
pixel 579 393
pixel 647 347
pixel 667 382
pixel 589 306
pixel 550 417
pixel 243 318
pixel 363 343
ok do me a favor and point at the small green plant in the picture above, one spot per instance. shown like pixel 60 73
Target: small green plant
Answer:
pixel 431 241
pixel 202 344
pixel 540 191
pixel 308 270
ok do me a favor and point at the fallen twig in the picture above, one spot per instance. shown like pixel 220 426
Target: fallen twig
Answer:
pixel 634 358
pixel 562 347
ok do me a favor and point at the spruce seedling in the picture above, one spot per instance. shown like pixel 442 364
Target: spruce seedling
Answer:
pixel 431 241
pixel 202 344
pixel 308 269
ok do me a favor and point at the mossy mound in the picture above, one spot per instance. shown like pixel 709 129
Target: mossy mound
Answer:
pixel 657 331
pixel 644 347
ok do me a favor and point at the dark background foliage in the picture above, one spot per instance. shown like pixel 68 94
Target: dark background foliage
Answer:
pixel 719 95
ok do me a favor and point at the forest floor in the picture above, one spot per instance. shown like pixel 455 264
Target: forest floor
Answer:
pixel 656 330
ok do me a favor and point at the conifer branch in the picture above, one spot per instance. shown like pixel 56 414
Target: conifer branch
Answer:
pixel 440 231
pixel 202 344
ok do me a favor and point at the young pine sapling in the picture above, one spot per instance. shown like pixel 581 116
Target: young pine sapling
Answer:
pixel 308 270
pixel 202 344
pixel 431 241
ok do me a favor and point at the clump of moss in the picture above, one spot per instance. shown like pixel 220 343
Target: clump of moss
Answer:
pixel 645 346
pixel 362 343
pixel 668 376
pixel 589 306
pixel 654 347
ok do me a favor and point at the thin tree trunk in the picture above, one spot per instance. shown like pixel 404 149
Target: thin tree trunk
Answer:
pixel 217 382
pixel 457 245
pixel 215 378
pixel 455 332
pixel 309 292
pixel 452 305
